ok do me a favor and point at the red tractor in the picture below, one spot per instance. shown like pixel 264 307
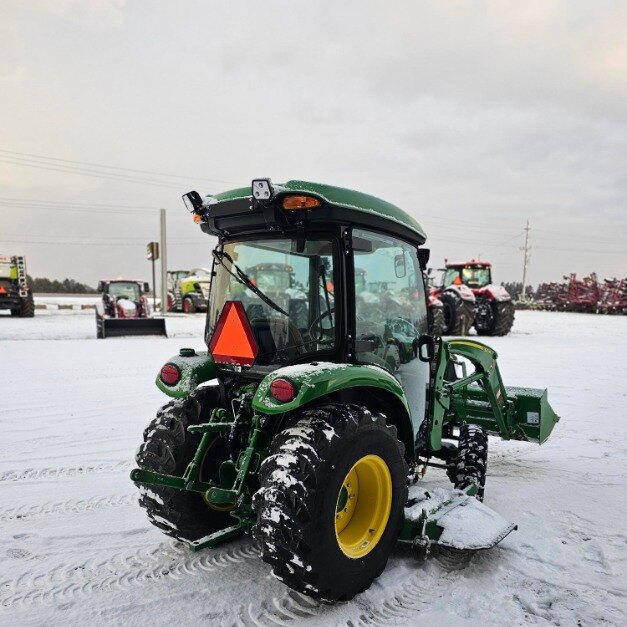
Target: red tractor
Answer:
pixel 124 310
pixel 469 298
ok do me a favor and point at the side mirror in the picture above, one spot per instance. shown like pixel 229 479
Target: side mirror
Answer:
pixel 424 348
pixel 146 288
pixel 101 286
pixel 193 201
pixel 400 267
pixel 423 257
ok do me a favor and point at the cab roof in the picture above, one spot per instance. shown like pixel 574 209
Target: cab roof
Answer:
pixel 361 204
pixel 473 263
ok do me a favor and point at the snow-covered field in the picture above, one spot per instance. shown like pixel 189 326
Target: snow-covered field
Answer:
pixel 75 548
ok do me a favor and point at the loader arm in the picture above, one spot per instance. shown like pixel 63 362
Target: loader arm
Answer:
pixel 482 398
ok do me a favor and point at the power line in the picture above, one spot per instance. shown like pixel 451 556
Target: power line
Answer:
pixel 95 174
pixel 111 167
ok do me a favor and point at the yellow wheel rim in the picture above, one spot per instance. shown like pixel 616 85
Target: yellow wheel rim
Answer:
pixel 363 506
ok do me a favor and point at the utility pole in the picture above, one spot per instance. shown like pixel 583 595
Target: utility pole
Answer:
pixel 152 254
pixel 164 264
pixel 525 262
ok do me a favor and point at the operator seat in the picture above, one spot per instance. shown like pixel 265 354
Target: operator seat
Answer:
pixel 274 335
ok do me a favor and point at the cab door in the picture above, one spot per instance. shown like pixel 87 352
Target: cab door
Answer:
pixel 391 313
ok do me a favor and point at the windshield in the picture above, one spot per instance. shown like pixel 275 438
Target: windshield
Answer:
pixel 287 295
pixel 472 276
pixel 124 290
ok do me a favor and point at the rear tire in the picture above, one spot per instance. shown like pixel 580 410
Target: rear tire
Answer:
pixel 309 526
pixel 435 321
pixel 502 319
pixel 458 314
pixel 27 309
pixel 168 448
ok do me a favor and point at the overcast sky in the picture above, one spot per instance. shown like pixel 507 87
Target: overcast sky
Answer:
pixel 472 116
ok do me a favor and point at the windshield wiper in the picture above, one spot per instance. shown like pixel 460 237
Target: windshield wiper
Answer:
pixel 240 276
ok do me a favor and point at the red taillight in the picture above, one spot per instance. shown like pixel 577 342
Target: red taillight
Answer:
pixel 170 374
pixel 283 390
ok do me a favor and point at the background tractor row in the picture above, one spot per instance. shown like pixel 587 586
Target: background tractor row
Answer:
pixel 15 294
pixel 322 399
pixel 188 290
pixel 466 297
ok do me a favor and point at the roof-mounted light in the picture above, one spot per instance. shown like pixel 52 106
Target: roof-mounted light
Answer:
pixel 193 201
pixel 262 189
pixel 295 202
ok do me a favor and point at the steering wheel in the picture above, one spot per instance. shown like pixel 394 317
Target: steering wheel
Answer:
pixel 319 333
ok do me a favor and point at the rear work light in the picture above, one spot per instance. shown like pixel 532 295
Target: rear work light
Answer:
pixel 170 374
pixel 292 202
pixel 283 390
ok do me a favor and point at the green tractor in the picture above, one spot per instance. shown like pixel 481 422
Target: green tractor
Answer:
pixel 295 429
pixel 15 293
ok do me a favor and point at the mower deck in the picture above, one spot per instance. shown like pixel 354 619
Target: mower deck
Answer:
pixel 453 519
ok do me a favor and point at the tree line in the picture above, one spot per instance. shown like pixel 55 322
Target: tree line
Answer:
pixel 67 286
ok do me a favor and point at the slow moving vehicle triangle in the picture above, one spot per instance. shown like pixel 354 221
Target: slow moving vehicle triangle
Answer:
pixel 233 341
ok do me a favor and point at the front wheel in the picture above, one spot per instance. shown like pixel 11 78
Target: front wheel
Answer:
pixel 458 314
pixel 469 467
pixel 188 305
pixel 330 507
pixel 435 321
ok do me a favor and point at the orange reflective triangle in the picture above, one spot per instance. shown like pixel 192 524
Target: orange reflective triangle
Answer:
pixel 2 290
pixel 233 341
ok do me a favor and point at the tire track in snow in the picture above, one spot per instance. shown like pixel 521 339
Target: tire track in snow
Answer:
pixel 168 560
pixel 399 605
pixel 28 512
pixel 285 610
pixel 63 471
pixel 402 604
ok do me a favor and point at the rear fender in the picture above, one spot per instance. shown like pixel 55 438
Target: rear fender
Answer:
pixel 464 292
pixel 323 379
pixel 497 293
pixel 195 369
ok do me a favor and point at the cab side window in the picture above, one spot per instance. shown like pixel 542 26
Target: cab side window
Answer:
pixel 390 306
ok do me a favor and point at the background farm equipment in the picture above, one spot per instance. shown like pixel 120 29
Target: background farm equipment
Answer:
pixel 613 299
pixel 124 310
pixel 587 295
pixel 583 294
pixel 15 294
pixel 188 290
pixel 293 425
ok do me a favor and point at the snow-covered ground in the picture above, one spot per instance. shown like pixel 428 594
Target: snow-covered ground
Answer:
pixel 75 548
